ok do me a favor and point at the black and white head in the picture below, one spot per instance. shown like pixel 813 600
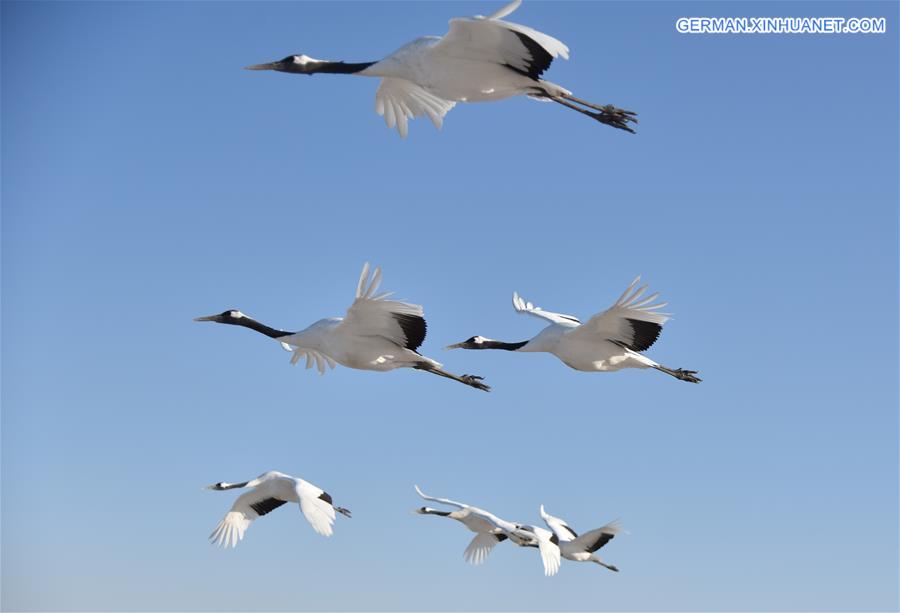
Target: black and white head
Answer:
pixel 221 485
pixel 303 64
pixel 430 511
pixel 231 316
pixel 475 342
pixel 298 64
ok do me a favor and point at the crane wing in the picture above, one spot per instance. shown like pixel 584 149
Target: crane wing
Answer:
pixel 632 321
pixel 315 504
pixel 312 357
pixel 247 507
pixel 372 315
pixel 506 10
pixel 399 100
pixel 523 306
pixel 480 546
pixel 519 47
pixel 559 527
pixel 446 501
pixel 550 554
pixel 595 539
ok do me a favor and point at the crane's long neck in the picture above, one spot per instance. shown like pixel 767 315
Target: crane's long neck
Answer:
pixel 340 67
pixel 429 511
pixel 248 322
pixel 489 344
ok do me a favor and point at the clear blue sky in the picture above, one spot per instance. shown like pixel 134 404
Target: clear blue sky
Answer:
pixel 147 179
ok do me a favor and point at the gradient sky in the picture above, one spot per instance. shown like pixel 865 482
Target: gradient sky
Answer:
pixel 147 179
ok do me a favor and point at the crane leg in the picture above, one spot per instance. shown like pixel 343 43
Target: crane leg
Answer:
pixel 470 380
pixel 604 564
pixel 609 114
pixel 680 373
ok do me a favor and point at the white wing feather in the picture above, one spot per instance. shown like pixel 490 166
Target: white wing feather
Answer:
pixel 312 357
pixel 496 41
pixel 550 554
pixel 523 306
pixel 612 324
pixel 399 100
pixel 235 523
pixel 559 527
pixel 479 548
pixel 440 500
pixel 589 538
pixel 373 315
pixel 506 10
pixel 319 513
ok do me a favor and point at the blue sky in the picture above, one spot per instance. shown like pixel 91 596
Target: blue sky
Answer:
pixel 147 179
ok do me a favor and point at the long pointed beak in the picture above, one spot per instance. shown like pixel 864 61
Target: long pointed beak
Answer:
pixel 268 66
pixel 456 346
pixel 206 318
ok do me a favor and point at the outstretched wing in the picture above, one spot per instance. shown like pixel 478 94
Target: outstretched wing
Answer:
pixel 550 554
pixel 595 539
pixel 632 321
pixel 480 546
pixel 316 507
pixel 559 527
pixel 446 501
pixel 491 39
pixel 399 100
pixel 372 315
pixel 523 306
pixel 246 508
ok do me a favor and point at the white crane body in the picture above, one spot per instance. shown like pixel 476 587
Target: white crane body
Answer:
pixel 362 352
pixel 454 77
pixel 582 353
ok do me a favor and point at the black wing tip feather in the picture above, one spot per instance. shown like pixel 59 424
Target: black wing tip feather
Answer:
pixel 540 58
pixel 267 506
pixel 602 540
pixel 326 497
pixel 645 334
pixel 414 329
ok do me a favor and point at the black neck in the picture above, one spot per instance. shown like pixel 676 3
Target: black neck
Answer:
pixel 502 345
pixel 341 67
pixel 436 512
pixel 261 328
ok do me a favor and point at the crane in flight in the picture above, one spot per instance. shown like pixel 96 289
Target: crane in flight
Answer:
pixel 480 59
pixel 376 334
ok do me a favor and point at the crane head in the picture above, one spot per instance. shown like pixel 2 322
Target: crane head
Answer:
pixel 430 511
pixel 475 342
pixel 298 64
pixel 231 316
